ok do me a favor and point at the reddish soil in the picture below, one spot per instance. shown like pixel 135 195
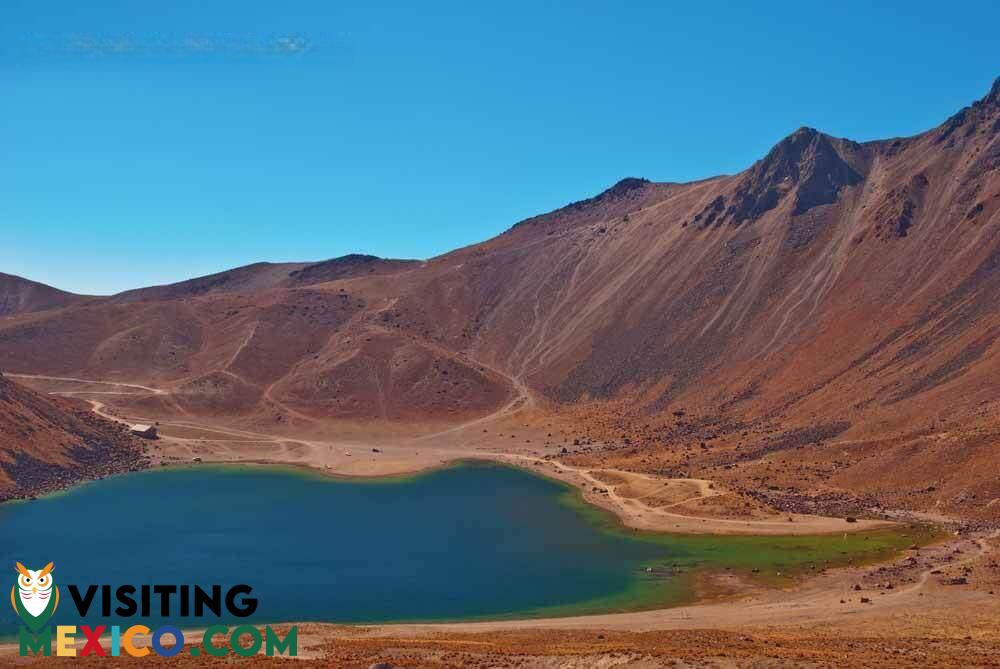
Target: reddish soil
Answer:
pixel 820 329
pixel 814 335
pixel 48 443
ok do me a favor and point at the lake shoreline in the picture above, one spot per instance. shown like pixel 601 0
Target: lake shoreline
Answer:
pixel 809 601
pixel 520 437
pixel 630 515
pixel 674 572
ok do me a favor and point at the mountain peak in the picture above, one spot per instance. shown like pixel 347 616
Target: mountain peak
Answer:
pixel 993 97
pixel 352 264
pixel 622 188
pixel 792 148
pixel 807 165
pixel 614 201
pixel 969 118
pixel 804 131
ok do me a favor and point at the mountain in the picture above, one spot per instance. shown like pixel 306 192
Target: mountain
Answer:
pixel 19 295
pixel 47 443
pixel 829 314
pixel 263 276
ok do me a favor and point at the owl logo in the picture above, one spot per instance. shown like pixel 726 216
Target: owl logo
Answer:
pixel 34 597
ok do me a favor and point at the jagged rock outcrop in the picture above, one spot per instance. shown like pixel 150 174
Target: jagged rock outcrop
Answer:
pixel 807 167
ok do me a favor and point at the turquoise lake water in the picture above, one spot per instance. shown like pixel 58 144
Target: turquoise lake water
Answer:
pixel 472 541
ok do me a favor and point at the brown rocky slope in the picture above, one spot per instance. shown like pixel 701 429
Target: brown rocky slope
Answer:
pixel 824 324
pixel 47 443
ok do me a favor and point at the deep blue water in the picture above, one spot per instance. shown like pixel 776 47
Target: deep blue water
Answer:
pixel 470 541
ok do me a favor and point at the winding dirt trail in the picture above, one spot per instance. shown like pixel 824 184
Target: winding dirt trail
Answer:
pixel 360 457
pixel 42 377
pixel 635 512
pixel 523 399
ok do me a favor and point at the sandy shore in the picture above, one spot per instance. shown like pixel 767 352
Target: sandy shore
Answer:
pixel 673 513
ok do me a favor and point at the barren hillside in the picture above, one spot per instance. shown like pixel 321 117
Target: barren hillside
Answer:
pixel 19 295
pixel 47 442
pixel 825 320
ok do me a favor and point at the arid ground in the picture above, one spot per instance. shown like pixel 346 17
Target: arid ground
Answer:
pixel 808 346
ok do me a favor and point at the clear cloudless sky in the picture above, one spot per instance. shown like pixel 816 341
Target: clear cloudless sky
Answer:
pixel 143 143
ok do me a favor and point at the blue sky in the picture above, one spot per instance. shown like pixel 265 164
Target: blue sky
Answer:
pixel 143 146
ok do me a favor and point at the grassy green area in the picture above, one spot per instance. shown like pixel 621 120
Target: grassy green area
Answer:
pixel 775 561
